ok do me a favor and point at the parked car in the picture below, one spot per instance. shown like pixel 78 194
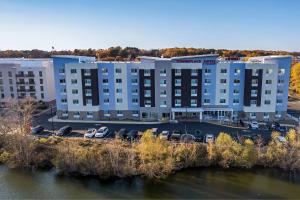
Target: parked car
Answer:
pixel 64 131
pixel 275 125
pixel 37 130
pixel 101 132
pixel 281 139
pixel 155 131
pixel 90 133
pixel 122 133
pixel 209 138
pixel 132 135
pixel 253 125
pixel 175 136
pixel 187 138
pixel 164 135
pixel 199 138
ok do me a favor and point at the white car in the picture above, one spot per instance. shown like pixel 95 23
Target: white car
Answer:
pixel 164 135
pixel 253 125
pixel 102 132
pixel 90 133
pixel 209 138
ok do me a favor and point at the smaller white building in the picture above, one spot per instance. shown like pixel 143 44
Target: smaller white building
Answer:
pixel 21 77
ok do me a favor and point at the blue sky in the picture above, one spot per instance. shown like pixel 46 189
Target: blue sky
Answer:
pixel 228 24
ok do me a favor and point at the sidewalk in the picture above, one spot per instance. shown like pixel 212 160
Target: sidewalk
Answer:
pixel 55 119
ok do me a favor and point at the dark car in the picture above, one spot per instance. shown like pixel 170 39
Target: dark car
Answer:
pixel 122 133
pixel 187 138
pixel 199 138
pixel 37 130
pixel 132 135
pixel 64 131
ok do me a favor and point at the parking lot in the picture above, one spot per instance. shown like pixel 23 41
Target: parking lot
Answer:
pixel 205 128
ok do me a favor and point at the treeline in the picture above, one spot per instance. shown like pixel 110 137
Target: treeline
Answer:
pixel 132 53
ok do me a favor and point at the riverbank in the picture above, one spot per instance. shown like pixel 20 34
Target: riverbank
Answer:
pixel 149 157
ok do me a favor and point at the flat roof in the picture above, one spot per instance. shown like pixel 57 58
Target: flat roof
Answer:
pixel 71 56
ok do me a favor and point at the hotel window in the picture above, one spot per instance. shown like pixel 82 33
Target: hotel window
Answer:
pixel 279 101
pixel 163 72
pixel 268 82
pixel 119 90
pixel 207 81
pixel 76 115
pixel 63 90
pixel 223 81
pixel 104 71
pixel 12 88
pixel 267 102
pixel 252 115
pixel 133 71
pixel 74 91
pixel 255 72
pixel 42 88
pixel 281 71
pixel 254 82
pixel 206 91
pixel 61 71
pixel 10 81
pixel 134 91
pixel 119 100
pixel 87 72
pixel 177 72
pixel 163 104
pixel 12 95
pixel 253 102
pixel 41 81
pixel 177 82
pixel 178 92
pixel 235 91
pixel 193 92
pixel 0 74
pixel 206 101
pixel 88 92
pixel 62 81
pixel 280 81
pixel 269 71
pixel 147 83
pixel 135 113
pixel 134 81
pixel 223 91
pixel 193 102
pixel 147 72
pixel 236 81
pixel 147 103
pixel 40 73
pixel 194 72
pixel 237 71
pixel 163 93
pixel 74 81
pixel 118 80
pixel 236 101
pixel 88 82
pixel 89 114
pixel 105 90
pixel 177 102
pixel 73 71
pixel 268 92
pixel 106 100
pixel 106 113
pixel 9 74
pixel 105 81
pixel 194 82
pixel 280 91
pixel 147 93
pixel 223 71
pixel 266 115
pixel 135 100
pixel 89 101
pixel 75 101
pixel 253 93
pixel 222 100
pixel 163 82
pixel 277 114
pixel 118 70
pixel 207 71
pixel 2 95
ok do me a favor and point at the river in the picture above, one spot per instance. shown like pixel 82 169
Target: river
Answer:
pixel 193 183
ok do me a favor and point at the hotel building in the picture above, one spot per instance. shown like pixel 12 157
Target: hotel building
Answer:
pixel 190 87
pixel 20 78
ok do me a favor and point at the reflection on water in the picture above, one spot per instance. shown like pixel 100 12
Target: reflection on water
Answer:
pixel 193 183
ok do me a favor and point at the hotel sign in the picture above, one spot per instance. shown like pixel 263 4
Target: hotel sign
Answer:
pixel 207 62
